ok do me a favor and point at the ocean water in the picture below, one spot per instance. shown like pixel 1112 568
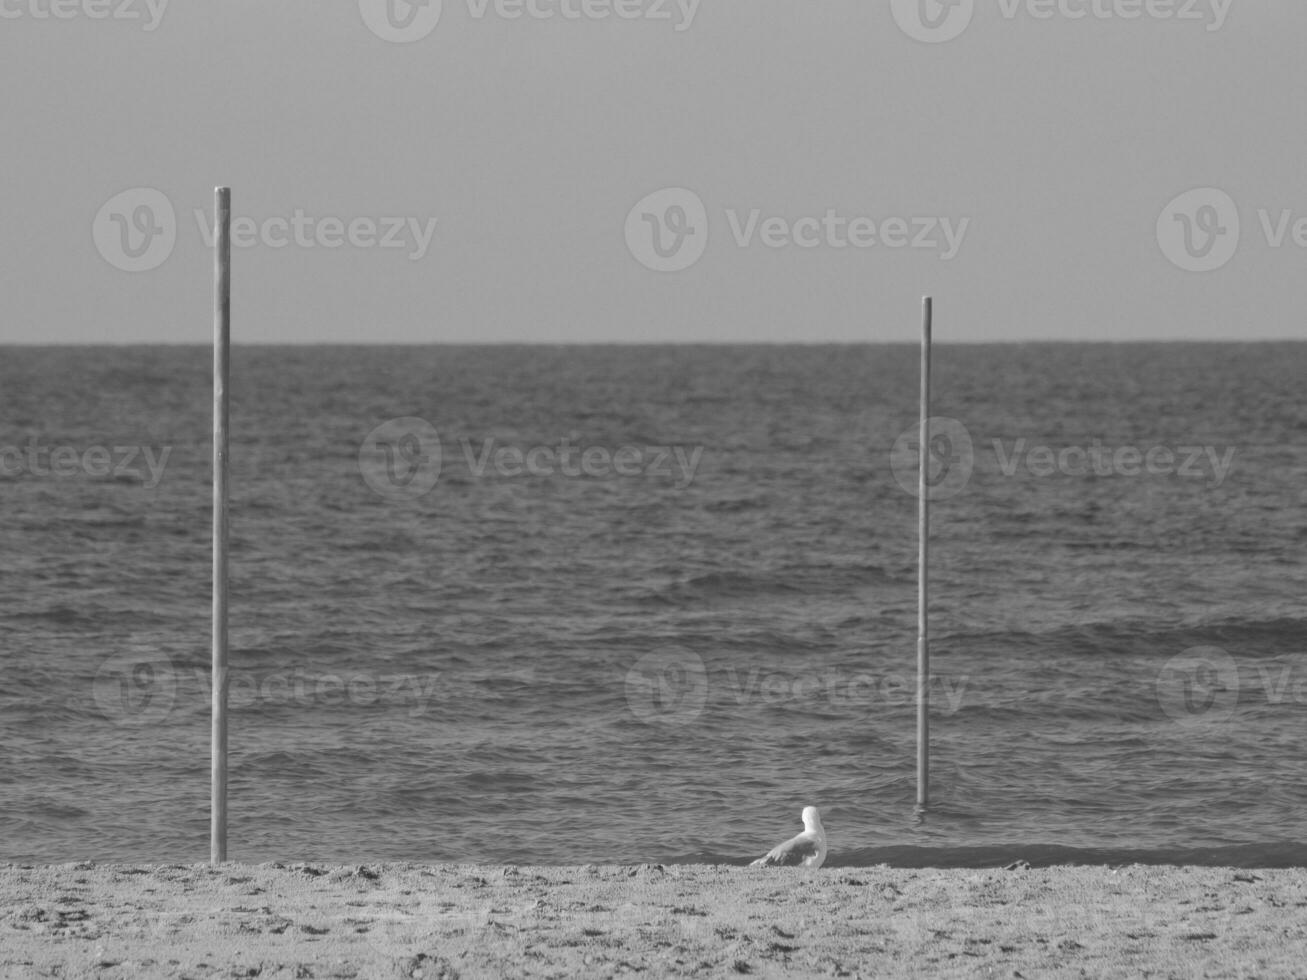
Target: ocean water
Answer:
pixel 610 604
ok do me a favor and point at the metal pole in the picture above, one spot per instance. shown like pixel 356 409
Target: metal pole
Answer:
pixel 221 375
pixel 923 532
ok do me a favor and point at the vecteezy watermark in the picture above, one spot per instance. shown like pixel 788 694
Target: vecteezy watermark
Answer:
pixel 305 231
pixel 949 465
pixel 401 21
pixel 837 231
pixel 62 462
pixel 148 12
pixel 136 230
pixel 953 460
pixel 937 21
pixel 679 13
pixel 144 687
pixel 671 688
pixel 412 935
pixel 406 21
pixel 933 21
pixel 397 934
pixel 668 231
pixel 1200 230
pixel 135 688
pixel 1187 462
pixel 676 463
pixel 668 687
pixel 402 459
pixel 1204 685
pixel 841 688
pixel 1044 919
pixel 1200 684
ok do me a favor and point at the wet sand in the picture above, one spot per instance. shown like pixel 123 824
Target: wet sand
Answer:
pixel 418 921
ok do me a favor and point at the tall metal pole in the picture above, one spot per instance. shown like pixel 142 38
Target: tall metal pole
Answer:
pixel 923 556
pixel 221 375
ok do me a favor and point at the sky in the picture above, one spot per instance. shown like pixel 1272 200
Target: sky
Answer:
pixel 655 171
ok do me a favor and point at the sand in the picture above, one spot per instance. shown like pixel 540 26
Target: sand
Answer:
pixel 392 920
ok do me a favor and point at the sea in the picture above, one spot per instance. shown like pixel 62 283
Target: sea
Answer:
pixel 619 604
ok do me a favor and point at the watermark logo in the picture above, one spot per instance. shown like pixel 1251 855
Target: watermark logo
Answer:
pixel 401 21
pixel 307 231
pixel 136 230
pixel 933 21
pixel 668 687
pixel 409 935
pixel 667 231
pixel 144 688
pixel 1212 13
pixel 841 689
pixel 594 462
pixel 135 689
pixel 401 459
pixel 122 463
pixel 1204 685
pixel 953 457
pixel 937 21
pixel 1186 462
pixel 838 231
pixel 1200 685
pixel 1199 230
pixel 406 21
pixel 671 688
pixel 650 10
pixel 949 464
pixel 149 12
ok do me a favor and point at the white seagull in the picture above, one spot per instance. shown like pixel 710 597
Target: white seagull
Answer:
pixel 807 850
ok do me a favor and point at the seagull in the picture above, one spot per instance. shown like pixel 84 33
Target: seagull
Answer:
pixel 808 849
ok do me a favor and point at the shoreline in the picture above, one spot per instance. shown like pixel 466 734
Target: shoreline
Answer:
pixel 321 920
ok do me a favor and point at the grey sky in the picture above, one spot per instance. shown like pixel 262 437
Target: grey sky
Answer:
pixel 1043 150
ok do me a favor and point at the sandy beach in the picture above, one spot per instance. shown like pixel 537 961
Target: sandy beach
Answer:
pixel 407 920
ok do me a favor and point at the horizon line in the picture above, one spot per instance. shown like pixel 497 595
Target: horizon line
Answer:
pixel 634 343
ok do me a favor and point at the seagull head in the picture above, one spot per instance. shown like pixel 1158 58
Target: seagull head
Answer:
pixel 812 820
